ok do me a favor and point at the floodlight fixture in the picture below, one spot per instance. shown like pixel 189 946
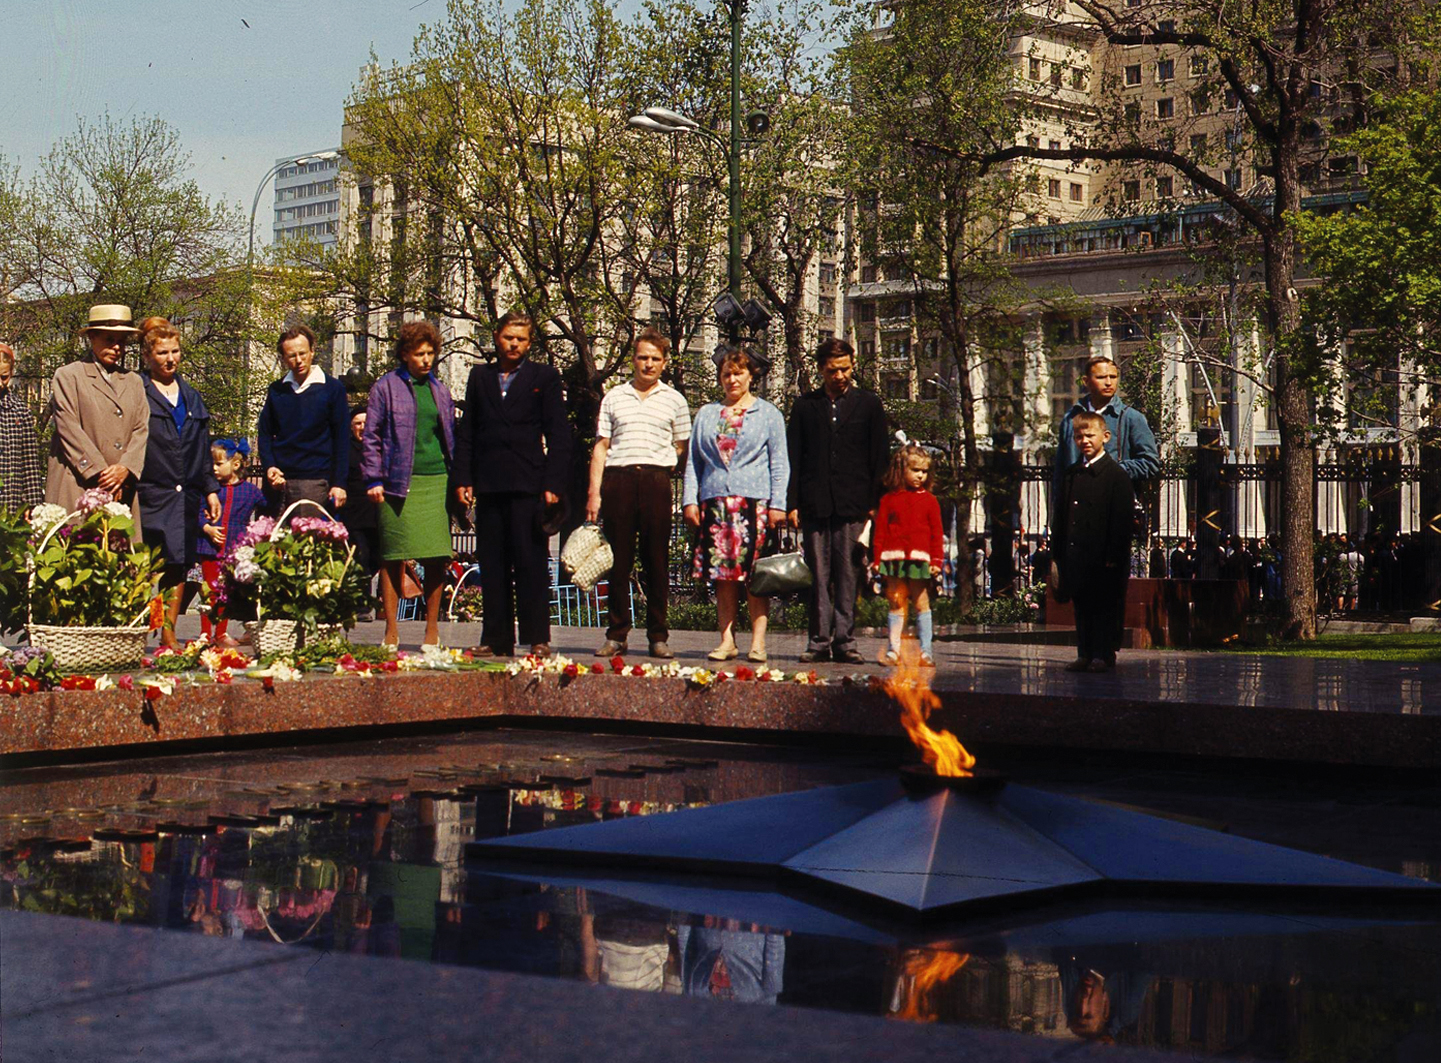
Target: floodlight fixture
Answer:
pixel 665 116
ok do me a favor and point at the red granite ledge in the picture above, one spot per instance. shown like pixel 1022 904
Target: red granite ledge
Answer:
pixel 87 721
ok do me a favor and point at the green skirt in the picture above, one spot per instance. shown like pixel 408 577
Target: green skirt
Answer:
pixel 417 526
pixel 900 569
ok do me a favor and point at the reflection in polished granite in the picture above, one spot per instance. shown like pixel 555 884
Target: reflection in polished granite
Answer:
pixel 1327 685
pixel 365 858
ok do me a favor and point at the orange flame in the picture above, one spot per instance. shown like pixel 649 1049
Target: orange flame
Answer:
pixel 921 971
pixel 910 686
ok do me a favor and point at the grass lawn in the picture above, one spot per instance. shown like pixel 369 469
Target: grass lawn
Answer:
pixel 1408 646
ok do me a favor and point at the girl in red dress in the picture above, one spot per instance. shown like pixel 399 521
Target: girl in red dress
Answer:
pixel 907 547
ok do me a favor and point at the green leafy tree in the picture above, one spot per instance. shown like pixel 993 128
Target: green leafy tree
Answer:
pixel 1288 70
pixel 933 221
pixel 1381 303
pixel 496 176
pixel 111 216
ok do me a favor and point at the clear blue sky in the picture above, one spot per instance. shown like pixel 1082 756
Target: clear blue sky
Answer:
pixel 240 97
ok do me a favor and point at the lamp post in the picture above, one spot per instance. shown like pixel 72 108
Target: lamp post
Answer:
pixel 664 120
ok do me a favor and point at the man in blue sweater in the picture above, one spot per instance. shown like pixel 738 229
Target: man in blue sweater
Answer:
pixel 303 425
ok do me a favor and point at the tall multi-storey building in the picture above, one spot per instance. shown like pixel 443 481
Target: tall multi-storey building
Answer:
pixel 307 197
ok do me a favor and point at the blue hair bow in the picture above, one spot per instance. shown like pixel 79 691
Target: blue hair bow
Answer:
pixel 233 447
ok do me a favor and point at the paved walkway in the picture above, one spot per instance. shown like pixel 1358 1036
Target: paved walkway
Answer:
pixel 1334 685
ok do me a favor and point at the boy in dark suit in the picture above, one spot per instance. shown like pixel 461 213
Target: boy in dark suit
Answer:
pixel 1093 544
pixel 501 464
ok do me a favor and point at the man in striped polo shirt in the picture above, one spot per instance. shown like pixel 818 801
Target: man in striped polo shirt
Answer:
pixel 641 438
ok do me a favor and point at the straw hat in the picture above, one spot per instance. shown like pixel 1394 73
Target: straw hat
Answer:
pixel 110 317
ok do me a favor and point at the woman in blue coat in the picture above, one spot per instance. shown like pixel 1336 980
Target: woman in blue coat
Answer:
pixel 178 476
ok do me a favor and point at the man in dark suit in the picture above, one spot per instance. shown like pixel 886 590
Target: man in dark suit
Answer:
pixel 512 453
pixel 1093 536
pixel 838 452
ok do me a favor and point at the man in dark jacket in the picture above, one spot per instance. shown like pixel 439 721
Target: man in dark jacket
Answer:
pixel 1093 536
pixel 512 455
pixel 838 452
pixel 302 429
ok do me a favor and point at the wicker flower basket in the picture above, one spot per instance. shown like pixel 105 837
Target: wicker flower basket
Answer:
pixel 91 649
pixel 283 636
pixel 88 649
pixel 587 556
pixel 277 635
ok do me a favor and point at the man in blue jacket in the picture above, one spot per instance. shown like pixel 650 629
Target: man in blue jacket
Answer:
pixel 512 454
pixel 1132 442
pixel 303 428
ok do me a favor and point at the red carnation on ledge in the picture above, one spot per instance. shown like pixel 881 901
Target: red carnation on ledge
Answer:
pixel 617 665
pixel 597 669
pixel 744 673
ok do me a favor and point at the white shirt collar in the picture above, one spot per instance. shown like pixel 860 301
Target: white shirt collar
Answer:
pixel 315 376
pixel 656 389
pixel 1097 458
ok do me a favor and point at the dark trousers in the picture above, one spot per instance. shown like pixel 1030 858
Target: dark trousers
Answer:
pixel 1101 614
pixel 830 551
pixel 511 550
pixel 293 491
pixel 635 501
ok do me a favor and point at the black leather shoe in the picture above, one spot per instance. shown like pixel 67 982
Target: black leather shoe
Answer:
pixel 812 656
pixel 486 651
pixel 850 656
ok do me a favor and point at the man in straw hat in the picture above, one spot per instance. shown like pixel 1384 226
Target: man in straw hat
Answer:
pixel 102 420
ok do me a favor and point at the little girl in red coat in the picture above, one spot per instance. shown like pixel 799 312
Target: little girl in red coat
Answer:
pixel 907 547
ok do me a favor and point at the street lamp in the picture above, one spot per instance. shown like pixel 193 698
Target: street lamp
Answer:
pixel 664 120
pixel 255 203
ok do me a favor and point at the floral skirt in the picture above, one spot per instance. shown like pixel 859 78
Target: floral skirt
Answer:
pixel 732 530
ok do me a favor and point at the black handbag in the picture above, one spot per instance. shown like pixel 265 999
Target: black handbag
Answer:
pixel 780 574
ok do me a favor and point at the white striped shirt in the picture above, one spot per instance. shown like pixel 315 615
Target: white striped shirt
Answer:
pixel 643 431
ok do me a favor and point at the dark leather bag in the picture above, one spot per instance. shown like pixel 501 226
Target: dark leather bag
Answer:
pixel 781 573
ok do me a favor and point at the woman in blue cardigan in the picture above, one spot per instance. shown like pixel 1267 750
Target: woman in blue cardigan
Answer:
pixel 738 468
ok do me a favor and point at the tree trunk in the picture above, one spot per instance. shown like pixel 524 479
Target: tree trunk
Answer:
pixel 1298 449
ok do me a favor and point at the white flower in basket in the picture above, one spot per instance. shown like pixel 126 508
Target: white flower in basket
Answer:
pixel 46 515
pixel 587 556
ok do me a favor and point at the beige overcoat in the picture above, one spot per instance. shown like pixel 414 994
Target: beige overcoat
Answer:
pixel 100 419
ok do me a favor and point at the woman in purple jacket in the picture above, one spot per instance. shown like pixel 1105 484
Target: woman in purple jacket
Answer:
pixel 406 453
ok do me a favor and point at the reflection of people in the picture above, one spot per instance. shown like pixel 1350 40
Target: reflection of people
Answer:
pixel 1093 535
pixel 641 433
pixel 178 480
pixel 512 457
pixel 407 448
pixel 20 483
pixel 1100 1006
pixel 907 545
pixel 838 449
pixel 747 966
pixel 735 484
pixel 303 448
pixel 101 417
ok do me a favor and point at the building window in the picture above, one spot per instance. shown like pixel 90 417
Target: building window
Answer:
pixel 1164 185
pixel 1201 101
pixel 1200 65
pixel 1033 142
pixel 1198 143
pixel 896 387
pixel 1077 192
pixel 1133 114
pixel 1053 188
pixel 1054 145
pixel 866 310
pixel 1130 191
pixel 1166 25
pixel 1233 179
pixel 868 274
pixel 1310 173
pixel 826 308
pixel 1056 72
pixel 1133 74
pixel 929 391
pixel 1234 140
pixel 1165 107
pixel 1034 69
pixel 1165 69
pixel 868 349
pixel 1078 79
pixel 1232 100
